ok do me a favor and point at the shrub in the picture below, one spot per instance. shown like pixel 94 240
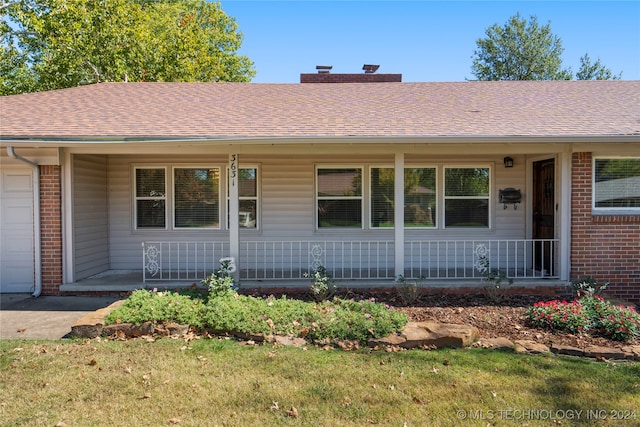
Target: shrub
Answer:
pixel 588 287
pixel 590 314
pixel 409 291
pixel 235 313
pixel 153 306
pixel 322 285
pixel 558 315
pixel 220 282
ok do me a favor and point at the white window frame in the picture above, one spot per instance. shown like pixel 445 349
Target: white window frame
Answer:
pixel 165 198
pixel 369 196
pixel 608 210
pixel 444 197
pixel 257 197
pixel 173 195
pixel 361 197
pixel 439 193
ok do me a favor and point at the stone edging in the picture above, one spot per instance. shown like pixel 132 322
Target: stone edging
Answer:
pixel 426 335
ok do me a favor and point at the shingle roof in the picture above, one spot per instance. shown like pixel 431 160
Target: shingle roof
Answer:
pixel 256 110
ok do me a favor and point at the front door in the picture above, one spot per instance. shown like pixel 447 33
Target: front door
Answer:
pixel 544 215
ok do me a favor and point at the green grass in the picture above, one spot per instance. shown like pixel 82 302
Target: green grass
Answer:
pixel 211 382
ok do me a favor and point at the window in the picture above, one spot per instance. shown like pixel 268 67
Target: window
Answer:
pixel 466 197
pixel 420 202
pixel 150 198
pixel 196 197
pixel 382 197
pixel 617 184
pixel 248 197
pixel 339 197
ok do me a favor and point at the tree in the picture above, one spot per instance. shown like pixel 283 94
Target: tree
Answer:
pixel 596 71
pixel 53 44
pixel 519 50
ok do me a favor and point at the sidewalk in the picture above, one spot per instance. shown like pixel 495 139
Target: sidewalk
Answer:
pixel 45 317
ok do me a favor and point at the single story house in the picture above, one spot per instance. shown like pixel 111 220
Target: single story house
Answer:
pixel 370 177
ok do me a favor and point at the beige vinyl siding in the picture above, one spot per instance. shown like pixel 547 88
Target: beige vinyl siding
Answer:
pixel 90 215
pixel 287 202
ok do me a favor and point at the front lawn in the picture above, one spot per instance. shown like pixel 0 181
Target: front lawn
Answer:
pixel 209 382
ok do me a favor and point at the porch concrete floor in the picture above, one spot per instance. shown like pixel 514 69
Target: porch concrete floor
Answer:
pixel 126 281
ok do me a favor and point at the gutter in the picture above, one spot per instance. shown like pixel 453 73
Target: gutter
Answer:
pixel 36 219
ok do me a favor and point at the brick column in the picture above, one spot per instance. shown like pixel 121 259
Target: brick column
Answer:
pixel 51 229
pixel 605 247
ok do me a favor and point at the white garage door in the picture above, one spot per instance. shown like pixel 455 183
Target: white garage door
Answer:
pixel 16 230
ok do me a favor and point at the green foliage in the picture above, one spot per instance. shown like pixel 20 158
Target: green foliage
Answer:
pixel 53 44
pixel 589 314
pixel 234 313
pixel 220 283
pixel 322 285
pixel 588 287
pixel 594 71
pixel 356 320
pixel 153 306
pixel 519 50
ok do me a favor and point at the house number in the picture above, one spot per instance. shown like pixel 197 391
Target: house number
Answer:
pixel 233 169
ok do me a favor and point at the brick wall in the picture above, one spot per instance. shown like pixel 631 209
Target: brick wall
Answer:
pixel 350 78
pixel 605 247
pixel 51 229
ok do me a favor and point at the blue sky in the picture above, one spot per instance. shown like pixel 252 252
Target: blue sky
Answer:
pixel 422 40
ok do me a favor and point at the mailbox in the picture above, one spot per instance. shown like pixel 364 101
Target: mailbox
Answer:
pixel 510 196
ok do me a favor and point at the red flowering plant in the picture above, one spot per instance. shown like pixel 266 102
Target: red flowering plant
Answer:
pixel 558 315
pixel 589 314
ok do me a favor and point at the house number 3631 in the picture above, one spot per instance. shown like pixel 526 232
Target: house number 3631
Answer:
pixel 233 168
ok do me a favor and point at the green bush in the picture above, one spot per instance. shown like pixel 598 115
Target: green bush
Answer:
pixel 153 306
pixel 235 313
pixel 589 314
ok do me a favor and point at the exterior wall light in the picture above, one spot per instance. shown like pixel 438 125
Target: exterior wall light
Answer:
pixel 508 162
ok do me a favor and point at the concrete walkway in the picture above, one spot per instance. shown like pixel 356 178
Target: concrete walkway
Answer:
pixel 45 317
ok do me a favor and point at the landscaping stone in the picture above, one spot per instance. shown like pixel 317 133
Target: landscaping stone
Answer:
pixel 435 334
pixel 128 330
pixel 604 352
pixel 496 343
pixel 566 350
pixel 531 347
pixel 632 352
pixel 91 324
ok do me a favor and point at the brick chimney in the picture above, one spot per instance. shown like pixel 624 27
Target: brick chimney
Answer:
pixel 369 76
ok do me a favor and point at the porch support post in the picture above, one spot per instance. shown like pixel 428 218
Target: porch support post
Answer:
pixel 234 216
pixel 564 208
pixel 398 214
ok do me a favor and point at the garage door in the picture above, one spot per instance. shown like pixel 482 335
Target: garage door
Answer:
pixel 16 230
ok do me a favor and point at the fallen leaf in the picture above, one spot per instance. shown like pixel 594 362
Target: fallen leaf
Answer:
pixel 494 394
pixel 21 330
pixel 293 412
pixel 446 362
pixel 92 362
pixel 434 370
pixel 174 420
pixel 346 401
pixel 275 406
pixel 146 396
pixel 416 400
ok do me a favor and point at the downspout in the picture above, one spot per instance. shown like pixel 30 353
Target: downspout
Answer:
pixel 36 219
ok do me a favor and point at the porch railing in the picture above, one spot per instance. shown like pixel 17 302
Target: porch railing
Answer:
pixel 352 260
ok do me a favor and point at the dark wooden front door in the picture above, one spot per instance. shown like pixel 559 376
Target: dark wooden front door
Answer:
pixel 544 214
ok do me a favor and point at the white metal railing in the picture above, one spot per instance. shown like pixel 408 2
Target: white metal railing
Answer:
pixel 292 260
pixel 459 259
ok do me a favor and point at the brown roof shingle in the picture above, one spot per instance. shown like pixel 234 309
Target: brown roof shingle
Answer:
pixel 252 110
